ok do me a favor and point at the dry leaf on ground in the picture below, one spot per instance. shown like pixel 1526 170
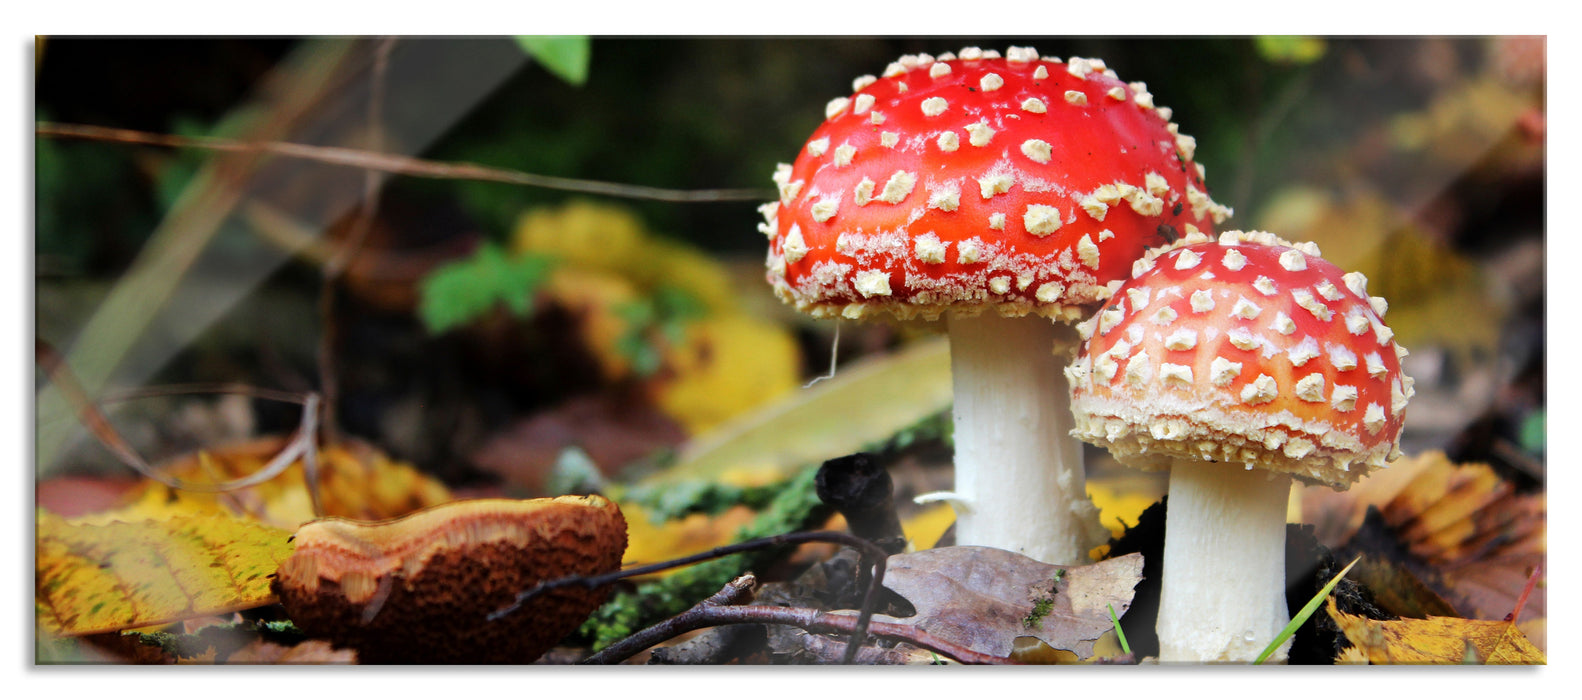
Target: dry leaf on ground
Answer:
pixel 613 430
pixel 1436 640
pixel 1458 528
pixel 984 598
pixel 356 480
pixel 724 366
pixel 649 542
pixel 97 578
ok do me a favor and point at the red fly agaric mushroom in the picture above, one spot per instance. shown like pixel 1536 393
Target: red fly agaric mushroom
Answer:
pixel 1237 364
pixel 420 589
pixel 1006 194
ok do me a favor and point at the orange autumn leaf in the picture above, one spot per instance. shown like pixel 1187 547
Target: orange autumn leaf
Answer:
pixel 1436 640
pixel 1471 536
pixel 356 481
pixel 97 578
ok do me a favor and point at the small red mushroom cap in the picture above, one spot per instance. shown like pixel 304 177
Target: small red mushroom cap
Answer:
pixel 1251 350
pixel 1018 183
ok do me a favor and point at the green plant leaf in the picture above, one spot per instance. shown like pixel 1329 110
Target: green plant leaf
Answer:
pixel 1120 634
pixel 459 292
pixel 1533 432
pixel 1306 612
pixel 565 56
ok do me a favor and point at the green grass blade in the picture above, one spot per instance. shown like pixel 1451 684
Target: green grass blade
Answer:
pixel 1119 634
pixel 1306 612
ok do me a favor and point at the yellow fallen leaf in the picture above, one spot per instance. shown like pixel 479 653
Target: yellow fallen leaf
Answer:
pixel 669 263
pixel 924 529
pixel 648 542
pixel 355 481
pixel 723 367
pixel 1469 123
pixel 1436 640
pixel 1120 502
pixel 99 578
pixel 582 234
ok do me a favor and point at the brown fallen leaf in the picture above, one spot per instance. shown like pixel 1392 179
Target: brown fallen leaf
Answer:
pixel 1457 528
pixel 1436 640
pixel 613 430
pixel 984 598
pixel 99 578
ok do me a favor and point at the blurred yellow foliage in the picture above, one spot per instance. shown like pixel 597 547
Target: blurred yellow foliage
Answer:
pixel 1465 123
pixel 594 298
pixel 722 362
pixel 582 235
pixel 688 269
pixel 1436 296
pixel 597 237
pixel 724 366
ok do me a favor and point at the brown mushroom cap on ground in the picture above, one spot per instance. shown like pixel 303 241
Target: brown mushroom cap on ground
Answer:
pixel 419 589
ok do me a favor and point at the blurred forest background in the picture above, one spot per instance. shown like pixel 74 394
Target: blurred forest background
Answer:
pixel 1417 161
pixel 517 339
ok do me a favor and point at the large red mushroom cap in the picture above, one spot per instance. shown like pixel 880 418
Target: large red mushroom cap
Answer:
pixel 1018 183
pixel 1249 350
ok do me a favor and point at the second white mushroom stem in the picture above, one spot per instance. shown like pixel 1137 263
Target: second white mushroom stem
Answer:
pixel 1019 476
pixel 1223 582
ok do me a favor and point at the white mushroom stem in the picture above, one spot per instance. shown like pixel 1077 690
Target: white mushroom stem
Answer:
pixel 1223 596
pixel 1019 479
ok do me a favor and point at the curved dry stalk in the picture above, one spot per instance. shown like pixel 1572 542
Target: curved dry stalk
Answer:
pixel 303 444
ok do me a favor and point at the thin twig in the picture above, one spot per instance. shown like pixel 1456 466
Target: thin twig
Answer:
pixel 398 164
pixel 870 552
pixel 809 619
pixel 737 592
